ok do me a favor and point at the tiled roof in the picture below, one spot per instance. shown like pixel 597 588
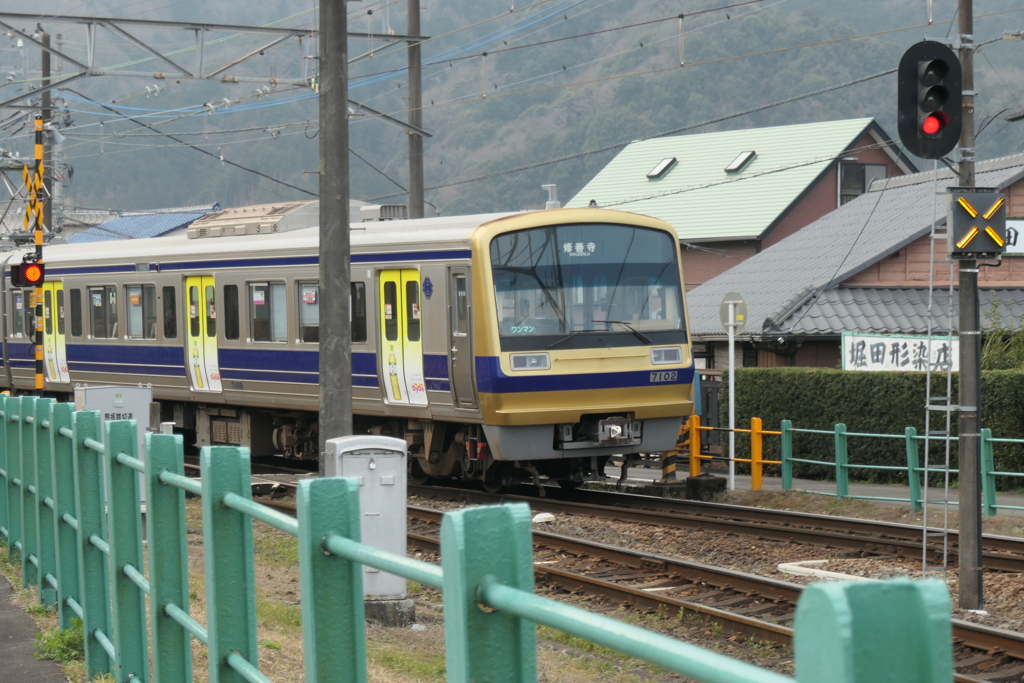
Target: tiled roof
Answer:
pixel 137 226
pixel 698 197
pixel 780 283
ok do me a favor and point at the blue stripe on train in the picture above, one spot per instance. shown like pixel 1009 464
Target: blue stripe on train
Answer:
pixel 491 380
pixel 440 255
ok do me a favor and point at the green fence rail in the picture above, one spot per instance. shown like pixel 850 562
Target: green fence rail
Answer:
pixel 82 551
pixel 914 470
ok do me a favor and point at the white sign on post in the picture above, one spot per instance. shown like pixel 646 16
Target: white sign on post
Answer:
pixel 897 352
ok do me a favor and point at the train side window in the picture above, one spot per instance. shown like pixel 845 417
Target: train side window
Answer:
pixel 76 313
pixel 268 310
pixel 48 311
pixel 390 311
pixel 309 312
pixel 461 306
pixel 30 312
pixel 19 310
pixel 60 311
pixel 170 313
pixel 141 311
pixel 412 310
pixel 231 330
pixel 103 312
pixel 358 312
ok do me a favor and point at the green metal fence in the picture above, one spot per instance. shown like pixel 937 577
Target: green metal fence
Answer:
pixel 82 550
pixel 914 470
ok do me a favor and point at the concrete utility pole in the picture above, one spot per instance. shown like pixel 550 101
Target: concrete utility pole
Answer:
pixel 335 278
pixel 415 115
pixel 970 351
pixel 47 115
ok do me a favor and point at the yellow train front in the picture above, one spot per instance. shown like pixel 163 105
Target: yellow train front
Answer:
pixel 581 342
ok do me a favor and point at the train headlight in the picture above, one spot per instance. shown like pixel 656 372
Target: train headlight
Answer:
pixel 667 354
pixel 531 361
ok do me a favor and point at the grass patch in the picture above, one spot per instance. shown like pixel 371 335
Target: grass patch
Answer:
pixel 416 664
pixel 275 549
pixel 61 646
pixel 276 614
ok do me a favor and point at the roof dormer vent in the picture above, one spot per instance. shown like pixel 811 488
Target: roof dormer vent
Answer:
pixel 740 162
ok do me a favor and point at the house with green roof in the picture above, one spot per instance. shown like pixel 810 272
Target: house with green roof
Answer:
pixel 733 193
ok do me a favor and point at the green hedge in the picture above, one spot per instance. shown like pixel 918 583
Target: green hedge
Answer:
pixel 872 402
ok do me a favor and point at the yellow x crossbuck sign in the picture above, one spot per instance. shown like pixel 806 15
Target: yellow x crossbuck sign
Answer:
pixel 973 232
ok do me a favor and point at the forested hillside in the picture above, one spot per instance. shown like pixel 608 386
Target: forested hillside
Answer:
pixel 514 108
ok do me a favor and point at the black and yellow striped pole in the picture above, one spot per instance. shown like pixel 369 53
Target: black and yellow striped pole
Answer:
pixel 36 199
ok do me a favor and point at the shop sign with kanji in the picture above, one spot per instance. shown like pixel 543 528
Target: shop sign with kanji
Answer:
pixel 900 352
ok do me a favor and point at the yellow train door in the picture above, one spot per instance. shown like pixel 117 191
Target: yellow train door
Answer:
pixel 201 333
pixel 401 332
pixel 55 359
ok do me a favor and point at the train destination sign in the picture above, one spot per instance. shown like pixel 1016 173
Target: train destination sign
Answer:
pixel 888 352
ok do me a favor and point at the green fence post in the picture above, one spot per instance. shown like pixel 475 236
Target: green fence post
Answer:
pixel 988 476
pixel 868 631
pixel 168 559
pixel 842 458
pixel 29 504
pixel 63 509
pixel 331 587
pixel 5 475
pixel 125 522
pixel 91 514
pixel 230 562
pixel 12 412
pixel 787 455
pixel 45 549
pixel 493 543
pixel 913 469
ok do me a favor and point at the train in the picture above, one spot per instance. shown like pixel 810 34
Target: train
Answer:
pixel 501 347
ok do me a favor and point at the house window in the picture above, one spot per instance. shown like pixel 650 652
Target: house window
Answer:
pixel 855 179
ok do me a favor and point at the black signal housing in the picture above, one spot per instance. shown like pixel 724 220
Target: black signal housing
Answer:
pixel 28 274
pixel 929 100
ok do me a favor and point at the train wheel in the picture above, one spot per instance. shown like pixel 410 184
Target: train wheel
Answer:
pixel 493 486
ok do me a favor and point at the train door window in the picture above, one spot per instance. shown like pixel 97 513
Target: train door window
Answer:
pixel 412 310
pixel 461 306
pixel 60 311
pixel 30 312
pixel 194 323
pixel 76 313
pixel 103 312
pixel 19 309
pixel 358 311
pixel 231 327
pixel 390 311
pixel 48 311
pixel 211 311
pixel 268 310
pixel 170 313
pixel 141 311
pixel 309 312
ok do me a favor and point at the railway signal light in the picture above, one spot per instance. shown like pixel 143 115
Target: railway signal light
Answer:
pixel 977 223
pixel 929 100
pixel 27 274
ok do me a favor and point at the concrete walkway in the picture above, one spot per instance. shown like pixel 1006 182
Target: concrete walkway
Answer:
pixel 877 491
pixel 17 645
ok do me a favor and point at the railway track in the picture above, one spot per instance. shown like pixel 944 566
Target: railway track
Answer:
pixel 756 607
pixel 1001 553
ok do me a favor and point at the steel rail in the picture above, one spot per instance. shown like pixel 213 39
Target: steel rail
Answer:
pixel 1001 553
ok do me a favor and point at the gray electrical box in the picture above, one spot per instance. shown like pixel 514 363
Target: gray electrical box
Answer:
pixel 378 462
pixel 120 403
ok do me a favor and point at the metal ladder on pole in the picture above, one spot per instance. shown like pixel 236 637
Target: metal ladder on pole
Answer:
pixel 940 406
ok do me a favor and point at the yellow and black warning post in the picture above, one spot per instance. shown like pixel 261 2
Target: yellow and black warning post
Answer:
pixel 34 213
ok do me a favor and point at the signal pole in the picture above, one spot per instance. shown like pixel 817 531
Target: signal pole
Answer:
pixel 36 204
pixel 971 588
pixel 47 116
pixel 335 247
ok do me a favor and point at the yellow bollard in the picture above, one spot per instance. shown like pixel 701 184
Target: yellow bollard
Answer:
pixel 756 435
pixel 694 426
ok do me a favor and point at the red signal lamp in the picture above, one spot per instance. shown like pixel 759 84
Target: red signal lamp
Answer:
pixel 934 123
pixel 27 274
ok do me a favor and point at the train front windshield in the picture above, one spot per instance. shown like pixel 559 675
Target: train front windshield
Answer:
pixel 587 286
